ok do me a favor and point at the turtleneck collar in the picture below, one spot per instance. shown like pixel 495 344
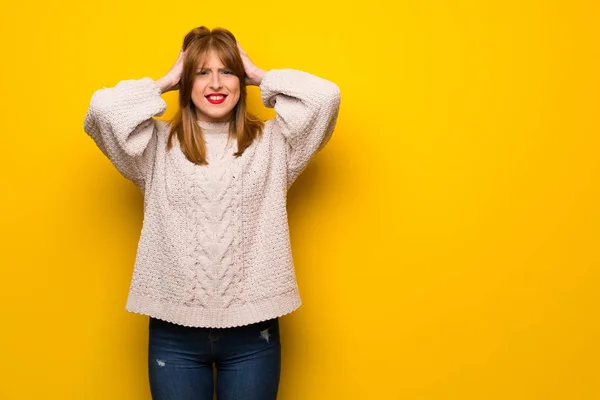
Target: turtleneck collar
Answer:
pixel 214 127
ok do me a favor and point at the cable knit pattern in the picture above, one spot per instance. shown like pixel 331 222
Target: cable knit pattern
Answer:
pixel 214 250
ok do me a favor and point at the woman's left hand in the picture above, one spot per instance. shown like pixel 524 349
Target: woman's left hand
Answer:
pixel 254 75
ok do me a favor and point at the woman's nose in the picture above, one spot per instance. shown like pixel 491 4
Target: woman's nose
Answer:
pixel 215 81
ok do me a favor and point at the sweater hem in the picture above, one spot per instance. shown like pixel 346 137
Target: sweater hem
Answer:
pixel 245 314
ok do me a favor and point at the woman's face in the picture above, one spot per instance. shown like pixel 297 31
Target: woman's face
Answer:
pixel 216 90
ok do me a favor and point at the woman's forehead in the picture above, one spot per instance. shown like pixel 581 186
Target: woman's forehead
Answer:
pixel 210 59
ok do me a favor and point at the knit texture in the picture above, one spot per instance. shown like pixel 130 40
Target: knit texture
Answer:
pixel 214 249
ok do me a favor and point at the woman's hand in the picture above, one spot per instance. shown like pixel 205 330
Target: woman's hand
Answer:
pixel 172 78
pixel 254 75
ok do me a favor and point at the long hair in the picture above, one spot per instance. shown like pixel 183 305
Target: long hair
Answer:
pixel 243 126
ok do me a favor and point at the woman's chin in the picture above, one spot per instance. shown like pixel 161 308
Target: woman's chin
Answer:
pixel 214 116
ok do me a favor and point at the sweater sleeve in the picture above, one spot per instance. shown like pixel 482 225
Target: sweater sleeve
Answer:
pixel 307 109
pixel 119 120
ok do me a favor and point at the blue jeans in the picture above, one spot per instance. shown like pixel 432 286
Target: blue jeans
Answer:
pixel 247 360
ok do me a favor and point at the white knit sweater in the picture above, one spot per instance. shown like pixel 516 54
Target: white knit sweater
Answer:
pixel 214 249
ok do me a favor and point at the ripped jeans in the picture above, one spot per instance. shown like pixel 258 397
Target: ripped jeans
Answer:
pixel 247 360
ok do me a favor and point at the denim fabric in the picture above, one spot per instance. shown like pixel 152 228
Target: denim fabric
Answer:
pixel 247 360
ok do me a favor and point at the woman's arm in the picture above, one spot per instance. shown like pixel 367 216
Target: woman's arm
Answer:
pixel 120 121
pixel 307 108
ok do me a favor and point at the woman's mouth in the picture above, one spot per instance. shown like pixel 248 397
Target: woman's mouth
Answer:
pixel 216 98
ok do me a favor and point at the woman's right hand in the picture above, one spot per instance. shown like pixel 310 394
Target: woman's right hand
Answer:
pixel 172 78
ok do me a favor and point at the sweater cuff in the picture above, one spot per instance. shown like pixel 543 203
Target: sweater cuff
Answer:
pixel 268 86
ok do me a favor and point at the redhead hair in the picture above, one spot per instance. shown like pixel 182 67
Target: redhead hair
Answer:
pixel 243 126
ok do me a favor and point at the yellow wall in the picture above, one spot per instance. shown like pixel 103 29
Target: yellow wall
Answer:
pixel 446 240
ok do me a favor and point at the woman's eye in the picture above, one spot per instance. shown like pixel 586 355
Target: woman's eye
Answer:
pixel 201 72
pixel 227 72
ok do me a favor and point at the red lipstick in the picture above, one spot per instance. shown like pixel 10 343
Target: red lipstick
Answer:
pixel 217 98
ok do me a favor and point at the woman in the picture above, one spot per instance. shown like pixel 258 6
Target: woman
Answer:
pixel 214 269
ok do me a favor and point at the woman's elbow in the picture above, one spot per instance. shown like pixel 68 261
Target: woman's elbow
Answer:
pixel 333 94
